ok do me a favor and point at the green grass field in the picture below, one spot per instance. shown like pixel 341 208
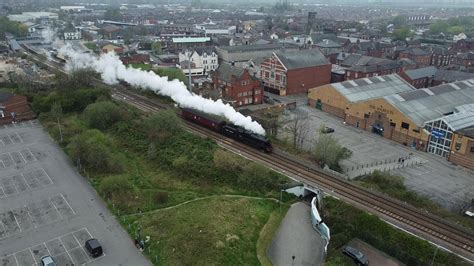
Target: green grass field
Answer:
pixel 215 231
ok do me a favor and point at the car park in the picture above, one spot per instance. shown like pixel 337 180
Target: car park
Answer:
pixel 358 257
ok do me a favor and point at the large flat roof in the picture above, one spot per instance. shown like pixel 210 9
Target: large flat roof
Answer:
pixel 432 103
pixel 371 88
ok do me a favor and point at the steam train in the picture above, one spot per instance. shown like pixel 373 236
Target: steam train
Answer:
pixel 219 124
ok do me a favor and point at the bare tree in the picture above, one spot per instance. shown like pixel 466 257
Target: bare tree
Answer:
pixel 57 113
pixel 298 126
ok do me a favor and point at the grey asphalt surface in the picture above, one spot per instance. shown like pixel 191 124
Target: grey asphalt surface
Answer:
pixel 296 237
pixel 47 208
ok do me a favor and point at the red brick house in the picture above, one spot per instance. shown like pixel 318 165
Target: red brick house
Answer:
pixel 14 108
pixel 293 72
pixel 237 85
pixel 421 57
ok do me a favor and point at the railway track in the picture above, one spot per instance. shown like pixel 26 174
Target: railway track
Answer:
pixel 450 236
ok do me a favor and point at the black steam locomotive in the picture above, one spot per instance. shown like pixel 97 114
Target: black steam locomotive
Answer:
pixel 220 125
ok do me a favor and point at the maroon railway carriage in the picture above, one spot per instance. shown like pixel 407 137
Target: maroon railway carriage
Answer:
pixel 212 122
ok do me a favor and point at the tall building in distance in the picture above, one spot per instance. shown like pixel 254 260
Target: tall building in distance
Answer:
pixel 311 21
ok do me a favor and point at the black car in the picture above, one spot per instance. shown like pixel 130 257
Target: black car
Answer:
pixel 358 257
pixel 93 247
pixel 327 130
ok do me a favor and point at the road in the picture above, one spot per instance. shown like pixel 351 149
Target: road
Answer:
pixel 296 237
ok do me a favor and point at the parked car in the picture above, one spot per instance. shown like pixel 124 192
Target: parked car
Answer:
pixel 327 130
pixel 93 247
pixel 47 261
pixel 358 257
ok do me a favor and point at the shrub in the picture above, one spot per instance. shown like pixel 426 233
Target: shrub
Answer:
pixel 161 126
pixel 102 115
pixel 92 149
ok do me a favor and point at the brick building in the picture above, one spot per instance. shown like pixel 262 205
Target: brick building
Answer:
pixel 14 108
pixel 441 56
pixel 464 45
pixel 237 85
pixel 439 120
pixel 362 66
pixel 293 72
pixel 465 60
pixel 462 147
pixel 421 57
pixel 420 77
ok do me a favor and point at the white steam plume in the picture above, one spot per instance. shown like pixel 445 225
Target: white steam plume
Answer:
pixel 112 70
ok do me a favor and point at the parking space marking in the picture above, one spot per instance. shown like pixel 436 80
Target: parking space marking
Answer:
pixel 73 212
pixel 29 215
pixel 33 256
pixel 23 182
pixel 75 254
pixel 23 157
pixel 16 260
pixel 65 248
pixel 56 208
pixel 44 171
pixel 17 223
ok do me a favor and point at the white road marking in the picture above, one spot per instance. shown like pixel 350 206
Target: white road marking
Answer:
pixel 16 219
pixel 44 171
pixel 68 204
pixel 56 208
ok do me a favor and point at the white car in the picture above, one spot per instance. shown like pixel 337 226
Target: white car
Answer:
pixel 47 261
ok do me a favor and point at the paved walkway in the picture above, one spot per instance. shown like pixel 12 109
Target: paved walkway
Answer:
pixel 296 237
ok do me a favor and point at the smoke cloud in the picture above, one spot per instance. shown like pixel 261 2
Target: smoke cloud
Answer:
pixel 112 71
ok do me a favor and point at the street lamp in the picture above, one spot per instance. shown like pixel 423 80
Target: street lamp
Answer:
pixel 189 54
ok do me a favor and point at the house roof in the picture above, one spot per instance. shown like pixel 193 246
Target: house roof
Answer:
pixel 5 96
pixel 370 88
pixel 191 40
pixel 418 52
pixel 328 43
pixel 452 75
pixel 423 72
pixel 225 72
pixel 301 58
pixel 431 103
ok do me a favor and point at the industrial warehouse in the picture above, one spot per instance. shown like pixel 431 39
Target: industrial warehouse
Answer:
pixel 439 120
